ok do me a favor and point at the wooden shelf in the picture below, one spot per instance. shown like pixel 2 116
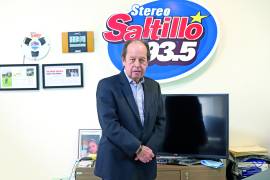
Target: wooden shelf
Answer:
pixel 194 172
pixel 168 172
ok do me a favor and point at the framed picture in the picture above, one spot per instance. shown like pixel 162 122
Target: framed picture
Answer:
pixel 62 75
pixel 77 42
pixel 19 77
pixel 88 142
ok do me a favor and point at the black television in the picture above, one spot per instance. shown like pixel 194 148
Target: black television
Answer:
pixel 197 126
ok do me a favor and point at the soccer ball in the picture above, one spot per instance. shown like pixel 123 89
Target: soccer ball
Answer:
pixel 36 46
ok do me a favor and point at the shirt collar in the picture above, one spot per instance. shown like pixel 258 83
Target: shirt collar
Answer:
pixel 131 81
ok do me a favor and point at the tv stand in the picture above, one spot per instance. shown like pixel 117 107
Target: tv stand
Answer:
pixel 193 172
pixel 168 172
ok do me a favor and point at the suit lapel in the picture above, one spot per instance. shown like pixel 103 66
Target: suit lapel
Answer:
pixel 147 100
pixel 126 90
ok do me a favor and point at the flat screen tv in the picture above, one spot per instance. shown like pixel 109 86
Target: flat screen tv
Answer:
pixel 196 125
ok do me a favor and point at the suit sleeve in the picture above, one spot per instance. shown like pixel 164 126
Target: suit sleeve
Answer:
pixel 109 121
pixel 156 140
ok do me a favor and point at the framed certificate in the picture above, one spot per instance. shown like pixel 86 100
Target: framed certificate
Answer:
pixel 62 75
pixel 19 77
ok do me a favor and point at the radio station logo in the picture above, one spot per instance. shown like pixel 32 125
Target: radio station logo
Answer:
pixel 35 46
pixel 182 36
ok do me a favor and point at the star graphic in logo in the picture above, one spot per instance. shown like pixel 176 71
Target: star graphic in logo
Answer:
pixel 197 18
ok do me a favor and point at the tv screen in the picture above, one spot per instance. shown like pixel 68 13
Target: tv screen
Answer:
pixel 196 125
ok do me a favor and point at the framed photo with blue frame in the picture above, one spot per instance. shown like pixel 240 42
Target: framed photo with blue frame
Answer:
pixel 62 75
pixel 19 77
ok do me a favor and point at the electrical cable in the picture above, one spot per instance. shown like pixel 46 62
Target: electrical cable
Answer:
pixel 72 174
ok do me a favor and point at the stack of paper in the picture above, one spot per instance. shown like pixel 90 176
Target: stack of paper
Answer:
pixel 238 151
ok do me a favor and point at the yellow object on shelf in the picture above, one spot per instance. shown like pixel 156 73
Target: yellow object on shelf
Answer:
pixel 93 156
pixel 237 151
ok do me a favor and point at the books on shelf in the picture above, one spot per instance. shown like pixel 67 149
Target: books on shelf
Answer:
pixel 248 160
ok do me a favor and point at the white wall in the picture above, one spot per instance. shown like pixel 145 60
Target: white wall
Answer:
pixel 39 129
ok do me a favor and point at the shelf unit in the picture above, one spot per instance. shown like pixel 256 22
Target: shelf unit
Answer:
pixel 165 172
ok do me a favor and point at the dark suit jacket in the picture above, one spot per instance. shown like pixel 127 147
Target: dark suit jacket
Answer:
pixel 122 131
